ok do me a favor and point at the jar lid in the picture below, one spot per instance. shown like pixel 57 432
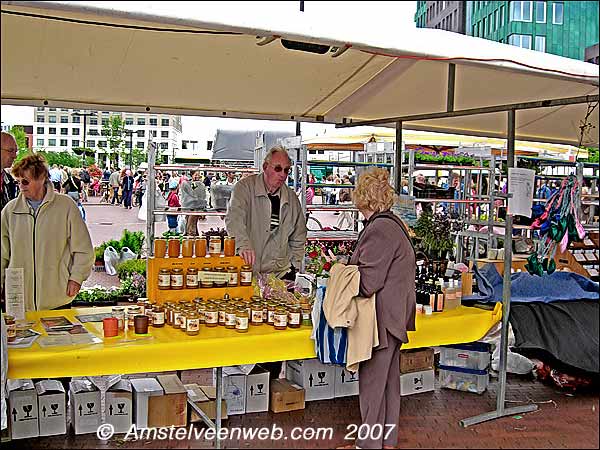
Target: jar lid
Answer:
pixel 207 269
pixel 214 238
pixel 164 270
pixel 246 267
pixel 219 269
pixel 118 308
pixel 231 268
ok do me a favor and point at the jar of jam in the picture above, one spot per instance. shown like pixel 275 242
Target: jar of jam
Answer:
pixel 160 248
pixel 187 247
pixel 118 312
pixel 280 318
pixel 149 310
pixel 192 324
pixel 158 316
pixel 164 279
pixel 256 314
pixel 201 309
pixel 233 276
pixel 11 328
pixel 294 316
pixel 265 306
pixel 270 312
pixel 241 320
pixel 174 246
pixel 246 275
pixel 177 278
pixel 206 283
pixel 168 313
pixel 132 311
pixel 200 247
pixel 191 278
pixel 214 246
pixel 229 246
pixel 306 314
pixel 183 319
pixel 230 317
pixel 211 315
pixel 141 302
pixel 222 308
pixel 176 322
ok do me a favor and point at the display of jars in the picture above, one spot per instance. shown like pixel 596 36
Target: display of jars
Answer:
pixel 211 315
pixel 246 275
pixel 177 281
pixel 229 246
pixel 160 248
pixel 214 246
pixel 241 320
pixel 164 279
pixel 200 247
pixel 158 316
pixel 256 314
pixel 191 278
pixel 280 318
pixel 233 276
pixel 294 316
pixel 206 283
pixel 192 324
pixel 187 247
pixel 118 312
pixel 174 247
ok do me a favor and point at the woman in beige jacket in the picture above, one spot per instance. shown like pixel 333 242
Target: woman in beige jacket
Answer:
pixel 43 234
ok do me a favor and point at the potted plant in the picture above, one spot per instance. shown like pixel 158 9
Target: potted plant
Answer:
pixel 95 296
pixel 434 229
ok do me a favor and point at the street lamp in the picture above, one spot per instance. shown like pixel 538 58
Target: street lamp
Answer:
pixel 85 116
pixel 130 134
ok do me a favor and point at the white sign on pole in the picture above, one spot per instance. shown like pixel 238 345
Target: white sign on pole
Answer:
pixel 520 185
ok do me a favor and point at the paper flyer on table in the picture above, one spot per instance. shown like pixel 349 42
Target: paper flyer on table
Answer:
pixel 14 293
pixel 520 185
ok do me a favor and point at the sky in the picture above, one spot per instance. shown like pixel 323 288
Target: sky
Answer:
pixel 383 15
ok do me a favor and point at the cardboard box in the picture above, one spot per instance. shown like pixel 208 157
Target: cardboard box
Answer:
pixel 417 382
pixel 205 398
pixel 345 383
pixel 286 396
pixel 85 406
pixel 22 409
pixel 416 360
pixel 234 390
pixel 119 406
pixel 257 390
pixel 169 409
pixel 52 409
pixel 143 390
pixel 316 378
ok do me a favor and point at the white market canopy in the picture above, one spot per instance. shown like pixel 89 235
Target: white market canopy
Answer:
pixel 166 57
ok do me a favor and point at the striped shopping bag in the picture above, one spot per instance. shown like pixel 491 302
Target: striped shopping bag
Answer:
pixel 331 344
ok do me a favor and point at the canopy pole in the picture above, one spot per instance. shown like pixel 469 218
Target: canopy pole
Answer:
pixel 398 159
pixel 501 411
pixel 451 82
pixel 150 200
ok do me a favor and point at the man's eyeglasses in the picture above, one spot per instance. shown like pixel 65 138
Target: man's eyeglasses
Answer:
pixel 278 168
pixel 22 182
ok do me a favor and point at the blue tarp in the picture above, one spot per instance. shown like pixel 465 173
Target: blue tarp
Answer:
pixel 526 288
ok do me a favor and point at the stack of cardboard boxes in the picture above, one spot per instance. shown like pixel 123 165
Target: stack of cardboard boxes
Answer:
pixel 416 371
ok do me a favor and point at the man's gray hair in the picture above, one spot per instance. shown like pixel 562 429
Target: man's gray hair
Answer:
pixel 276 149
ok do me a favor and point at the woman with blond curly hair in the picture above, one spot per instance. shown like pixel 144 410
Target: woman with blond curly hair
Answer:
pixel 386 261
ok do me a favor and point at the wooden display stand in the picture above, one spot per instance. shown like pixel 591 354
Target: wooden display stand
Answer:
pixel 163 295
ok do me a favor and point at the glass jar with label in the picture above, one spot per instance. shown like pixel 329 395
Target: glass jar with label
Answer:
pixel 219 284
pixel 294 316
pixel 241 320
pixel 211 315
pixel 256 314
pixel 229 246
pixel 158 317
pixel 118 312
pixel 11 329
pixel 160 248
pixel 206 283
pixel 191 278
pixel 174 247
pixel 201 309
pixel 187 247
pixel 246 275
pixel 222 308
pixel 270 312
pixel 168 313
pixel 200 247
pixel 164 279
pixel 230 317
pixel 233 276
pixel 192 324
pixel 280 318
pixel 149 310
pixel 183 319
pixel 177 278
pixel 306 314
pixel 176 323
pixel 214 246
pixel 132 311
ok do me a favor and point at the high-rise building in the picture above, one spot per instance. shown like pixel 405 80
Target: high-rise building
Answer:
pixel 62 129
pixel 448 16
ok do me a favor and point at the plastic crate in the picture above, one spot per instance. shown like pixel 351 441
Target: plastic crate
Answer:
pixel 466 380
pixel 474 356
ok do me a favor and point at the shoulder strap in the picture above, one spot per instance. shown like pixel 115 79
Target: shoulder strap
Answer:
pixel 395 219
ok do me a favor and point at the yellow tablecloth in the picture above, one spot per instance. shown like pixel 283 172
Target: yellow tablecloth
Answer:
pixel 169 349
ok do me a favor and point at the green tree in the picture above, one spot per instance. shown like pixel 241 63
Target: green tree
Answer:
pixel 114 130
pixel 19 133
pixel 138 156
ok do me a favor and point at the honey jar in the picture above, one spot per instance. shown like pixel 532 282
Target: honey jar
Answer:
pixel 206 283
pixel 183 319
pixel 149 310
pixel 246 275
pixel 200 247
pixel 211 315
pixel 191 278
pixel 187 247
pixel 177 278
pixel 214 246
pixel 160 248
pixel 229 246
pixel 294 316
pixel 241 320
pixel 280 318
pixel 158 317
pixel 201 311
pixel 168 313
pixel 174 247
pixel 233 276
pixel 132 311
pixel 192 324
pixel 256 314
pixel 164 279
pixel 230 317
pixel 270 312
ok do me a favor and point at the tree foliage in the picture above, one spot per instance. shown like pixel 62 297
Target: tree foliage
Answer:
pixel 19 133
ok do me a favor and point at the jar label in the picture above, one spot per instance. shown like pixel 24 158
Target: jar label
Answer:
pixel 177 319
pixel 230 319
pixel 222 316
pixel 241 323
pixel 182 322
pixel 270 315
pixel 233 278
pixel 214 247
pixel 294 318
pixel 164 280
pixel 159 318
pixel 257 315
pixel 211 316
pixel 191 280
pixel 176 280
pixel 280 320
pixel 193 325
pixel 305 316
pixel 246 277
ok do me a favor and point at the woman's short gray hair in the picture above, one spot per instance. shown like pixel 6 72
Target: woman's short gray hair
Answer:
pixel 276 149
